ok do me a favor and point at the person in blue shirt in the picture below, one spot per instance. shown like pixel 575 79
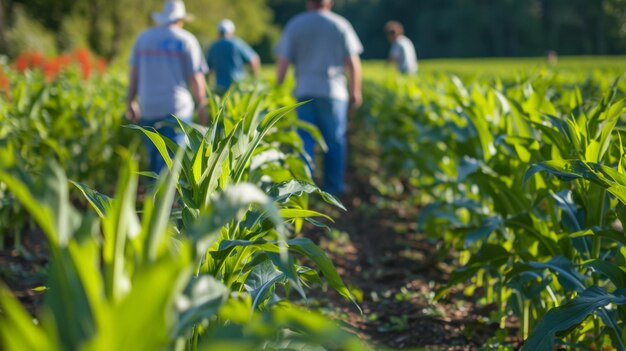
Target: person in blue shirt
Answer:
pixel 228 56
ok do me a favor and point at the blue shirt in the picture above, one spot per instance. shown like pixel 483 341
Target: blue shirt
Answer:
pixel 227 57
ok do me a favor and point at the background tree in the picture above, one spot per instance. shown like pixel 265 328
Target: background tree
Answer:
pixel 109 27
pixel 439 28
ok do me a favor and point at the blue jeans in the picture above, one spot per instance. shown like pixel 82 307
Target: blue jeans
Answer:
pixel 167 127
pixel 330 117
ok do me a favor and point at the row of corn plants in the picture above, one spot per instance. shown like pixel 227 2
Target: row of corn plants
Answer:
pixel 209 258
pixel 525 179
pixel 72 119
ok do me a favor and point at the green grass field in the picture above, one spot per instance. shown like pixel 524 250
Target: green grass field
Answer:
pixel 481 67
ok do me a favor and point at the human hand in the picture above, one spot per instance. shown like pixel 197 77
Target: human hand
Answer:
pixel 356 100
pixel 132 112
pixel 203 117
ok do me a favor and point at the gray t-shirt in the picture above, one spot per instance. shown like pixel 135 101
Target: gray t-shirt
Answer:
pixel 403 52
pixel 166 58
pixel 318 44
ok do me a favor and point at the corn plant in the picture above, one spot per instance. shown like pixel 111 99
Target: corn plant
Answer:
pixel 73 121
pixel 121 280
pixel 531 244
pixel 232 151
pixel 208 260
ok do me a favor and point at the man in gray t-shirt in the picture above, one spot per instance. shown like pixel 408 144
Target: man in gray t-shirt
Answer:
pixel 323 47
pixel 402 52
pixel 165 60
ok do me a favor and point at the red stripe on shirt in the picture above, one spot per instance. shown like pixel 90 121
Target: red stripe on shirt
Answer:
pixel 159 53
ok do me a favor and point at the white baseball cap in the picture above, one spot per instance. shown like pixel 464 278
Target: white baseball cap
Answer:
pixel 173 10
pixel 226 26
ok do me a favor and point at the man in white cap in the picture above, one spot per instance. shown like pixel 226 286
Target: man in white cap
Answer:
pixel 322 46
pixel 165 61
pixel 229 55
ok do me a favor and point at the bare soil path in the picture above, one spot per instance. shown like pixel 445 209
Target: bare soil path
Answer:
pixel 396 271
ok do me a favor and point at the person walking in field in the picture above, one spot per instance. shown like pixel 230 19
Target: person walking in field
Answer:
pixel 323 46
pixel 165 61
pixel 402 52
pixel 228 56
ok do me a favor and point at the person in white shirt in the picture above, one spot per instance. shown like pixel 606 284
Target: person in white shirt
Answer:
pixel 402 52
pixel 167 73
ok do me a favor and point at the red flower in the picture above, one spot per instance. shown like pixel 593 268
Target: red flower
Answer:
pixel 82 55
pixel 36 59
pixel 64 60
pixel 51 68
pixel 4 82
pixel 4 85
pixel 102 65
pixel 21 63
pixel 84 59
pixel 86 70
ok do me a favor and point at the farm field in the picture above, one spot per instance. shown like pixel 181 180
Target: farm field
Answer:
pixel 490 67
pixel 485 209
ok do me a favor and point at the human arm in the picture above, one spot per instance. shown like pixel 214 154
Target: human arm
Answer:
pixel 210 64
pixel 197 68
pixel 132 109
pixel 198 89
pixel 281 70
pixel 353 68
pixel 255 66
pixel 250 57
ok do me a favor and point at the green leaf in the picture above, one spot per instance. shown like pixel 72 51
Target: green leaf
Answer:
pixel 566 170
pixel 293 272
pixel 204 297
pixel 284 191
pixel 568 277
pixel 157 209
pixel 120 226
pixel 17 330
pixel 158 141
pixel 569 170
pixel 47 199
pixel 569 315
pixel 262 281
pixel 610 270
pixel 489 225
pixel 489 256
pixel 291 213
pixel 269 121
pixel 314 132
pixel 264 245
pixel 609 234
pixel 148 306
pixel 307 248
pixel 99 202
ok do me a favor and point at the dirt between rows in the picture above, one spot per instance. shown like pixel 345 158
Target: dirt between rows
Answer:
pixel 395 272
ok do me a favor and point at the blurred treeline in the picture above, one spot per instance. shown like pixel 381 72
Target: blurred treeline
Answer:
pixel 439 28
pixel 109 27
